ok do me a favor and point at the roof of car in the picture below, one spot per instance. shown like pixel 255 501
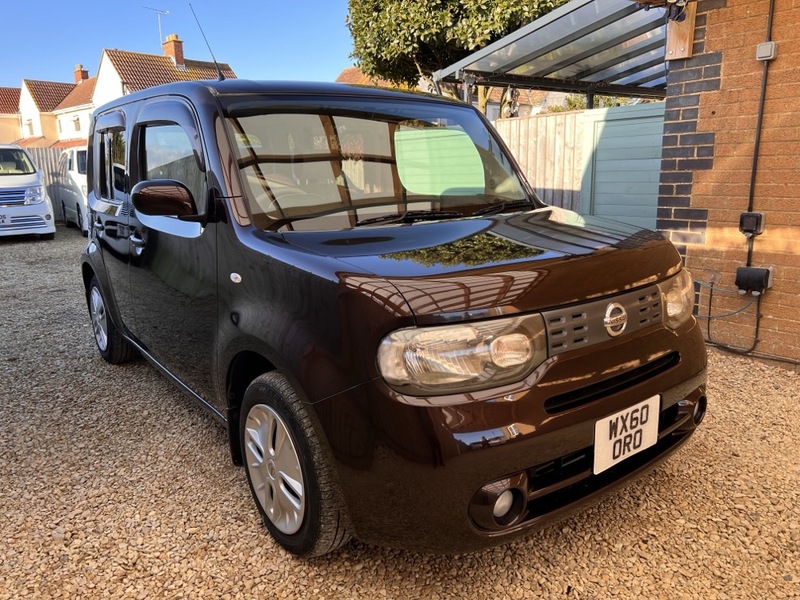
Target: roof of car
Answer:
pixel 244 86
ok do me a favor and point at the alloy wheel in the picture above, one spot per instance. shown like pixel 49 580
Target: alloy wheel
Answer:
pixel 274 467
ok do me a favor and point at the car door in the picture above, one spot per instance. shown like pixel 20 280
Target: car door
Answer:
pixel 110 203
pixel 173 268
pixel 59 180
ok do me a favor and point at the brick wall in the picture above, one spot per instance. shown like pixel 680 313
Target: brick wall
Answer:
pixel 709 135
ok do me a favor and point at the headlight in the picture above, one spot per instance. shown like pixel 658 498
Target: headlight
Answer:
pixel 677 295
pixel 34 194
pixel 464 357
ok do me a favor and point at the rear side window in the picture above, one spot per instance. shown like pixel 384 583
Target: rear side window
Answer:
pixel 168 154
pixel 112 174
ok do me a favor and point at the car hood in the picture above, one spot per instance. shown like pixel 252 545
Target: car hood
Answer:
pixel 18 181
pixel 477 267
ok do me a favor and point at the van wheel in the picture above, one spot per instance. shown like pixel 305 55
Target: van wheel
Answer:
pixel 67 222
pixel 80 220
pixel 112 346
pixel 291 481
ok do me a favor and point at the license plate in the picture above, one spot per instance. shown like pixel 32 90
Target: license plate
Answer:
pixel 5 219
pixel 625 433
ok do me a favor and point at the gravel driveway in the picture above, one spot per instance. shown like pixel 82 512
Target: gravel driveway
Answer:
pixel 114 484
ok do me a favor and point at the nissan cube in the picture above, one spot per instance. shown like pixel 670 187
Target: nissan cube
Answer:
pixel 404 344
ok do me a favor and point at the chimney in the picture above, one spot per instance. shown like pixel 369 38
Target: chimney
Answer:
pixel 80 73
pixel 173 47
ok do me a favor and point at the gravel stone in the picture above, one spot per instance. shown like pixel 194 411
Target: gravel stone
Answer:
pixel 115 485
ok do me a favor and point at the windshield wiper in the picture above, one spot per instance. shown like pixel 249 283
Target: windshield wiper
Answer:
pixel 508 206
pixel 410 216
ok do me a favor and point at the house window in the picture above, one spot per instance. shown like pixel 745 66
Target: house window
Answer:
pixel 29 128
pixel 76 122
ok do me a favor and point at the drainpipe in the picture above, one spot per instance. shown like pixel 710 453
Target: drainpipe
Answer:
pixel 759 125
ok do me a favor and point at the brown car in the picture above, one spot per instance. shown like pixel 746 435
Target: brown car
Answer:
pixel 404 344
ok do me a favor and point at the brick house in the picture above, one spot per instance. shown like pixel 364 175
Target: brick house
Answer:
pixel 726 152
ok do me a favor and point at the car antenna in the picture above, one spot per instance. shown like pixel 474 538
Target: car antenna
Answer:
pixel 220 76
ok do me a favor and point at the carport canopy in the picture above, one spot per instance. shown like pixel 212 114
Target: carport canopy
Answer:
pixel 606 47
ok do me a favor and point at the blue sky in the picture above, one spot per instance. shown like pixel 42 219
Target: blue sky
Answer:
pixel 268 39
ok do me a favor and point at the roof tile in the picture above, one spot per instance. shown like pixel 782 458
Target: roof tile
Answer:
pixel 80 95
pixel 9 100
pixel 140 71
pixel 47 94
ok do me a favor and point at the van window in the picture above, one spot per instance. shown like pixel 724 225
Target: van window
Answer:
pixel 168 154
pixel 81 156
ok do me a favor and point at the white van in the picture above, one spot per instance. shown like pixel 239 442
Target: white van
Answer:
pixel 24 205
pixel 70 188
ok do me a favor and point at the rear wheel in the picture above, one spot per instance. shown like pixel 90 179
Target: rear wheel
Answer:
pixel 112 346
pixel 290 479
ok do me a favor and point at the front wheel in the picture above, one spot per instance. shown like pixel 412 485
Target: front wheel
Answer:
pixel 290 479
pixel 112 346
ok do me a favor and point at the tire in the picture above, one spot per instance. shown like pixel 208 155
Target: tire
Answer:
pixel 79 224
pixel 67 222
pixel 292 483
pixel 112 346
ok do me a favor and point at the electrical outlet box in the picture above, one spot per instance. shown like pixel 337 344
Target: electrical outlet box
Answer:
pixel 766 51
pixel 753 279
pixel 751 223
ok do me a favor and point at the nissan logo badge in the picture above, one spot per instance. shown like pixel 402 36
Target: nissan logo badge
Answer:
pixel 616 319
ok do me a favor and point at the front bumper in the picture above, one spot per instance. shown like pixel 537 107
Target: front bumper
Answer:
pixel 27 218
pixel 417 477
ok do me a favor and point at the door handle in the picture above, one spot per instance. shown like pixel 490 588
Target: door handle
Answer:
pixel 137 242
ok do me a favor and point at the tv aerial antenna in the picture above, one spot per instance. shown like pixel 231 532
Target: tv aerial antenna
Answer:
pixel 160 13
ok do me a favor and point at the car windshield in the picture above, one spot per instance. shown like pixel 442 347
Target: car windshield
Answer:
pixel 331 163
pixel 14 161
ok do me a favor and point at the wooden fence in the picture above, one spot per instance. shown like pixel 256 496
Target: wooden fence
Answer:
pixel 548 149
pixel 46 160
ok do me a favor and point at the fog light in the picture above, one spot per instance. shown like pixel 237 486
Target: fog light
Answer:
pixel 699 411
pixel 47 217
pixel 503 504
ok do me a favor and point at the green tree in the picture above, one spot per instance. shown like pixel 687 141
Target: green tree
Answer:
pixel 403 40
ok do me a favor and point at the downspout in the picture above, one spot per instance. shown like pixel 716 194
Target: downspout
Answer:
pixel 751 196
pixel 759 125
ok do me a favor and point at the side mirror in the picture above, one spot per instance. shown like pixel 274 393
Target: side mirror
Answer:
pixel 163 198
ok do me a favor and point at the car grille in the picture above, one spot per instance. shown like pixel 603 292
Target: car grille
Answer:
pixel 20 223
pixel 581 325
pixel 567 479
pixel 12 196
pixel 612 385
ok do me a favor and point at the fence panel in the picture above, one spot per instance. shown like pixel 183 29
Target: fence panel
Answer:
pixel 46 160
pixel 548 149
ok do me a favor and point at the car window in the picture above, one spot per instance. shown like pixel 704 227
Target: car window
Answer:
pixel 15 161
pixel 113 172
pixel 69 162
pixel 168 154
pixel 332 166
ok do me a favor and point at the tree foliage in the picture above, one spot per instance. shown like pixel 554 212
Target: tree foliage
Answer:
pixel 400 40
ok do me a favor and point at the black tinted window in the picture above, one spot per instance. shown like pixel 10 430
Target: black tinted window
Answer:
pixel 168 154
